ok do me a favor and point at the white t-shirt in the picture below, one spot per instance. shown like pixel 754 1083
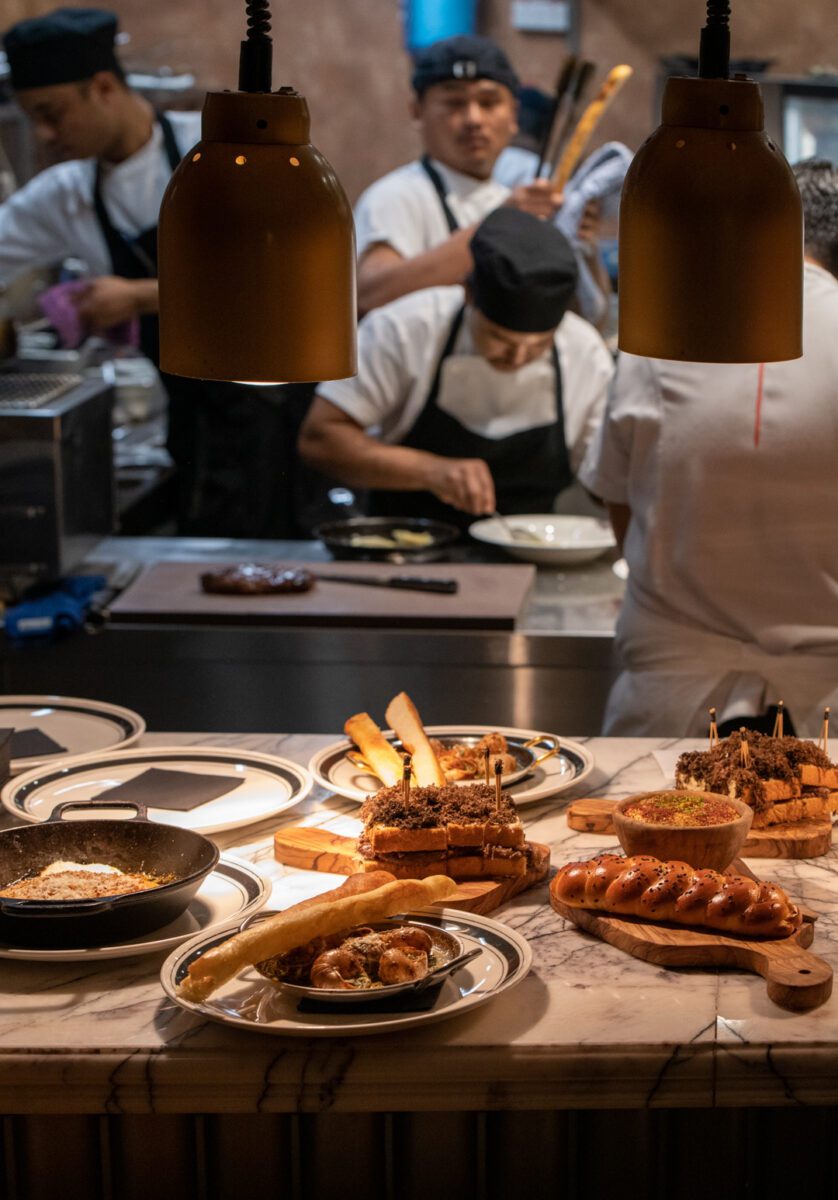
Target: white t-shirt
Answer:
pixel 399 346
pixel 403 210
pixel 52 217
pixel 728 537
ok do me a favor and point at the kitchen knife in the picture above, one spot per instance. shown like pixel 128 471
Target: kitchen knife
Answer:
pixel 410 583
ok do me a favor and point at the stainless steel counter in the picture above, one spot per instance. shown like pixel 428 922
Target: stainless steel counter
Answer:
pixel 552 672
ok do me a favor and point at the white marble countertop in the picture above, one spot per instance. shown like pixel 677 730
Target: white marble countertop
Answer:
pixel 589 1027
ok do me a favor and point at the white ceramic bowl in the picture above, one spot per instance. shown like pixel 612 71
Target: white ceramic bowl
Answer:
pixel 560 539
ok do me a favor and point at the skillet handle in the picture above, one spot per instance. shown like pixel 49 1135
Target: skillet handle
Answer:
pixel 544 739
pixel 57 814
pixel 26 909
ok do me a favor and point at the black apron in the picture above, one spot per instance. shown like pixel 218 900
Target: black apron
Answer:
pixel 439 187
pixel 529 468
pixel 225 439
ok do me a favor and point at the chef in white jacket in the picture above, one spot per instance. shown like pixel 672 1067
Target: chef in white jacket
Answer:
pixel 722 485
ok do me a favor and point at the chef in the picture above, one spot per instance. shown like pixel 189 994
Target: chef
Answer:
pixel 413 226
pixel 473 399
pixel 100 204
pixel 721 483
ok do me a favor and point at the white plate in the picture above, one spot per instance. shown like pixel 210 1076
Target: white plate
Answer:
pixel 334 772
pixel 271 785
pixel 232 891
pixel 565 539
pixel 81 726
pixel 248 1002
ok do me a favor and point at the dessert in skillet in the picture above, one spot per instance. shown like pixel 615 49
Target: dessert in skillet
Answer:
pixel 81 881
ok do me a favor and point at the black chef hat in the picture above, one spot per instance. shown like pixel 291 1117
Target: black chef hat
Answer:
pixel 524 273
pixel 64 46
pixel 462 57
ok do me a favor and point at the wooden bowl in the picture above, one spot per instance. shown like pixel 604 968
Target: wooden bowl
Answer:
pixel 713 846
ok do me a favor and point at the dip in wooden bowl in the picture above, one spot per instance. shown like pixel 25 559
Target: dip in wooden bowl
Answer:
pixel 700 828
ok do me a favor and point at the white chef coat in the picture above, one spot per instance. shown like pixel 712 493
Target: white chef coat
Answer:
pixel 52 216
pixel 403 210
pixel 732 598
pixel 399 346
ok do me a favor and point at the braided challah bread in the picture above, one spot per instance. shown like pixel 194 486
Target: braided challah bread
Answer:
pixel 674 891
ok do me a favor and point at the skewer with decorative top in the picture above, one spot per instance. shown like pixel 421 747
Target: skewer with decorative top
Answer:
pixel 744 748
pixel 824 738
pixel 406 765
pixel 714 729
pixel 486 764
pixel 498 773
pixel 778 721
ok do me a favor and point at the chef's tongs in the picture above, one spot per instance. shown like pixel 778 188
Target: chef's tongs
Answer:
pixel 408 583
pixel 571 85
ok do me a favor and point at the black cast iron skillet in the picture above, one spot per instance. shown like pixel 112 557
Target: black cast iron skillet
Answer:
pixel 134 844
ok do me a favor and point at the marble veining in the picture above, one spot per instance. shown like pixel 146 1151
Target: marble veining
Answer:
pixel 590 1026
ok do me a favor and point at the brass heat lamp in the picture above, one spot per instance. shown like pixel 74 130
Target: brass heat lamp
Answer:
pixel 256 240
pixel 711 224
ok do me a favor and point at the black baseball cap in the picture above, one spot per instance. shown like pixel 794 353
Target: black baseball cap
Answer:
pixel 463 58
pixel 524 273
pixel 64 46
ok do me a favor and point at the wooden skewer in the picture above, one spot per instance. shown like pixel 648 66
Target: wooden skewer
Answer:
pixel 498 773
pixel 714 729
pixel 486 763
pixel 406 767
pixel 744 748
pixel 778 721
pixel 824 740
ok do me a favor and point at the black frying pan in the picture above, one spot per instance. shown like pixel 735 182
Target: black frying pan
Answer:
pixel 136 844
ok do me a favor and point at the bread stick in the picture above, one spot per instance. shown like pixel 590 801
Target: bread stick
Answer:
pixel 301 923
pixel 588 122
pixel 376 750
pixel 402 716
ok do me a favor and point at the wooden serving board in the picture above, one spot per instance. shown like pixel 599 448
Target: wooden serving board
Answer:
pixel 319 850
pixel 796 839
pixel 490 596
pixel 795 978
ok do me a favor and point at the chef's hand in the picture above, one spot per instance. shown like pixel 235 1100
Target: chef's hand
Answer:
pixel 539 198
pixel 465 483
pixel 109 300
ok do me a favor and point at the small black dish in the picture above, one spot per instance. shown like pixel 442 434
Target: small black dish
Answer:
pixel 341 539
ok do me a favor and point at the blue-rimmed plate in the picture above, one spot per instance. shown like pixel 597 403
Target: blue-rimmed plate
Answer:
pixel 250 1002
pixel 335 772
pixel 261 785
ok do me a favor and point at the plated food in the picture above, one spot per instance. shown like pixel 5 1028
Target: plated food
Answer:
pixel 360 900
pixel 700 828
pixel 781 778
pixel 464 832
pixel 81 881
pixel 680 809
pixel 643 886
pixel 437 761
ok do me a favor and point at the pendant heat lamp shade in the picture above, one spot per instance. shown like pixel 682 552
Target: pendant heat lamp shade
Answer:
pixel 711 230
pixel 256 242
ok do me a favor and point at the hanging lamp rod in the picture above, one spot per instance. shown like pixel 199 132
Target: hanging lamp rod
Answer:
pixel 256 53
pixel 714 49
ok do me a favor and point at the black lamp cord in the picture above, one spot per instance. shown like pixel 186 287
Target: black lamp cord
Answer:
pixel 714 51
pixel 256 54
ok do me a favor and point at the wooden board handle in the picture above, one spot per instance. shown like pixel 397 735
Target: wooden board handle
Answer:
pixel 795 978
pixel 592 815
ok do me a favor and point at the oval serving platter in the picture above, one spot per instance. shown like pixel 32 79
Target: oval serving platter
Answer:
pixel 260 785
pixel 251 1003
pixel 335 772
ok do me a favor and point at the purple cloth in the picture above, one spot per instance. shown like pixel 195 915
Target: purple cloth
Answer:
pixel 59 306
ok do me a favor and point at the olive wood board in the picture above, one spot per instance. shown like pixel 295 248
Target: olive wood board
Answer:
pixel 796 839
pixel 318 850
pixel 795 978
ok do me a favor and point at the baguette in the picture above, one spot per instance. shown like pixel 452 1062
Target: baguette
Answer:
pixel 674 891
pixel 358 901
pixel 588 122
pixel 383 758
pixel 402 716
